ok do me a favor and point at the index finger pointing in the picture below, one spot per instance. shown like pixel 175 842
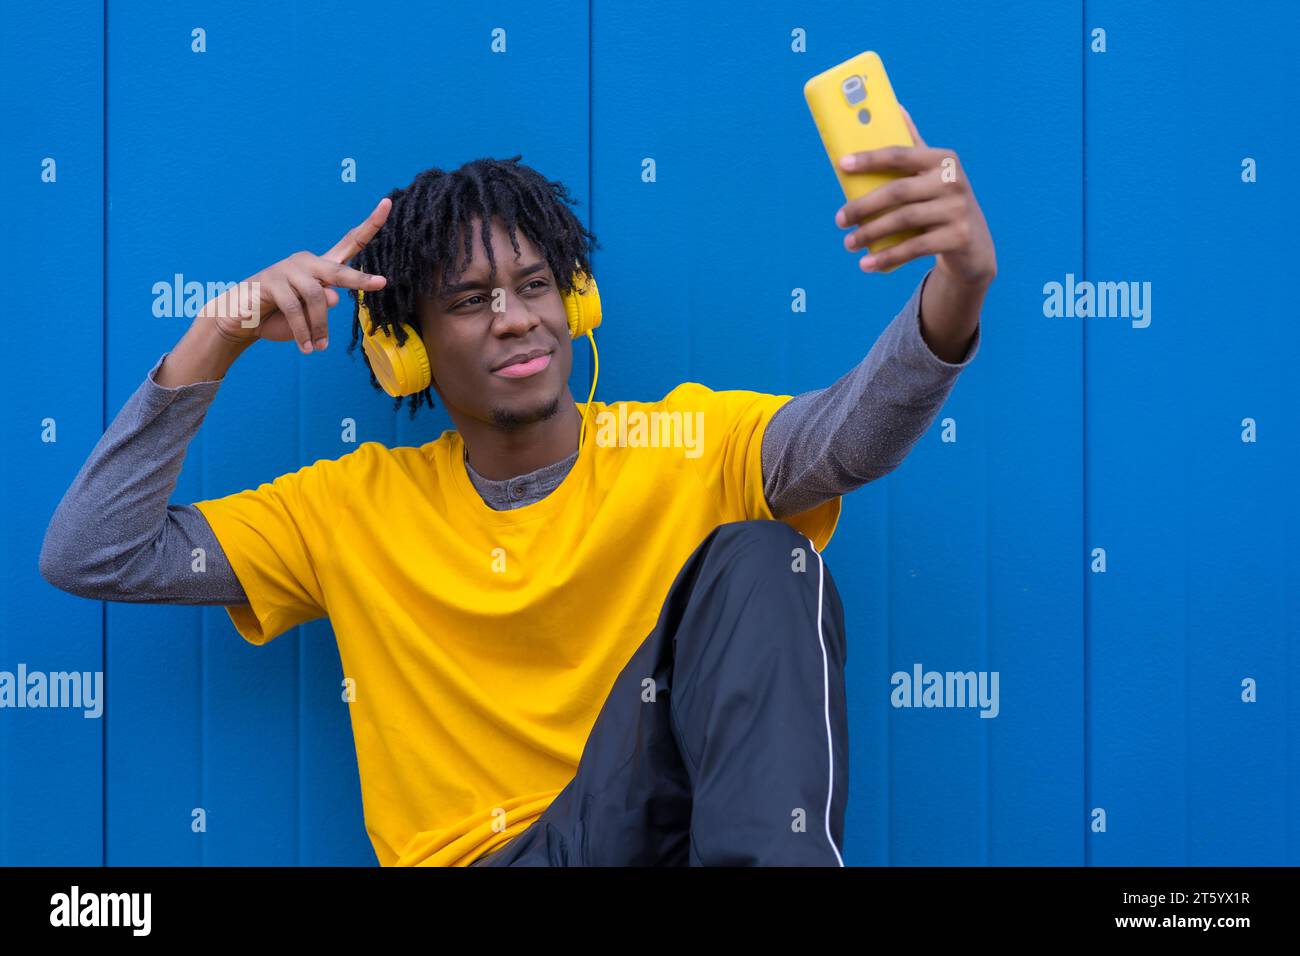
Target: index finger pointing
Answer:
pixel 349 278
pixel 359 235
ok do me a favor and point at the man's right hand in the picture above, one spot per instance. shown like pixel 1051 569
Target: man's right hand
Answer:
pixel 292 299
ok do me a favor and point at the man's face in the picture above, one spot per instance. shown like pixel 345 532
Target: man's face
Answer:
pixel 469 341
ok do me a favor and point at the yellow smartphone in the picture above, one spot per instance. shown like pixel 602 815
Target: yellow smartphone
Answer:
pixel 854 108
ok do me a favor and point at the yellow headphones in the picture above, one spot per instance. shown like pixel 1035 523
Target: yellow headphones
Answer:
pixel 404 369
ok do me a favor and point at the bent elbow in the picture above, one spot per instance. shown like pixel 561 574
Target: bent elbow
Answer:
pixel 54 566
pixel 65 565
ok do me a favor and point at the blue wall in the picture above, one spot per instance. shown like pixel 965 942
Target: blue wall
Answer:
pixel 1120 691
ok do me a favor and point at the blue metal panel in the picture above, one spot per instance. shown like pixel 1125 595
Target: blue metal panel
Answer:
pixel 51 806
pixel 1119 691
pixel 1199 527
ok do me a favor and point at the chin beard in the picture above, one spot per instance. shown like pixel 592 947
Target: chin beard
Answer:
pixel 511 420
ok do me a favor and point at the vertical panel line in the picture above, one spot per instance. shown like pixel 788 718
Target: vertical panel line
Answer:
pixel 988 641
pixel 890 721
pixel 103 426
pixel 1083 412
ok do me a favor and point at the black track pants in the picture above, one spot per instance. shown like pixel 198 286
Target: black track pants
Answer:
pixel 724 741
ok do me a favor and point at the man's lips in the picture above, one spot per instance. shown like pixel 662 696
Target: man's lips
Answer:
pixel 539 359
pixel 521 357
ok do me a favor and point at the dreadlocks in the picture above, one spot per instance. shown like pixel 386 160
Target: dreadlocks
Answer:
pixel 431 219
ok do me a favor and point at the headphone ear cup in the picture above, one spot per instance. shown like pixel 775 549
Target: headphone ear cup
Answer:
pixel 400 369
pixel 582 306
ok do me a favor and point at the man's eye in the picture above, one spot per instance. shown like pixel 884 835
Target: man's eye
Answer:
pixel 466 302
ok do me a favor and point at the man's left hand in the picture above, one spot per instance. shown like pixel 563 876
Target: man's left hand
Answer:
pixel 935 198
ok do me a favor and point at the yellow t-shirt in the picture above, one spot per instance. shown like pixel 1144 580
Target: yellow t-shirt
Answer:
pixel 483 643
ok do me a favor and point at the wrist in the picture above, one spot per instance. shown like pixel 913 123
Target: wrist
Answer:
pixel 203 354
pixel 218 342
pixel 949 314
pixel 973 282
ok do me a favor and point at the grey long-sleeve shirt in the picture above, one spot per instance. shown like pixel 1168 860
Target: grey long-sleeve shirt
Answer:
pixel 114 536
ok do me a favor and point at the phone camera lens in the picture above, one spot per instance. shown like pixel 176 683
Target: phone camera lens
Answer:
pixel 854 90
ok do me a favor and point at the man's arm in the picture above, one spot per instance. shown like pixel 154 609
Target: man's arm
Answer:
pixel 832 440
pixel 114 537
pixel 825 443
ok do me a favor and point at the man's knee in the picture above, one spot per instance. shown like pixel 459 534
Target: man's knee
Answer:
pixel 767 547
pixel 775 561
pixel 783 565
pixel 761 533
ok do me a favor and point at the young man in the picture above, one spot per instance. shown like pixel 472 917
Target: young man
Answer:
pixel 562 655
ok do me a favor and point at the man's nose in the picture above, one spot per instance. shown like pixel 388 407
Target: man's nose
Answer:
pixel 515 316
